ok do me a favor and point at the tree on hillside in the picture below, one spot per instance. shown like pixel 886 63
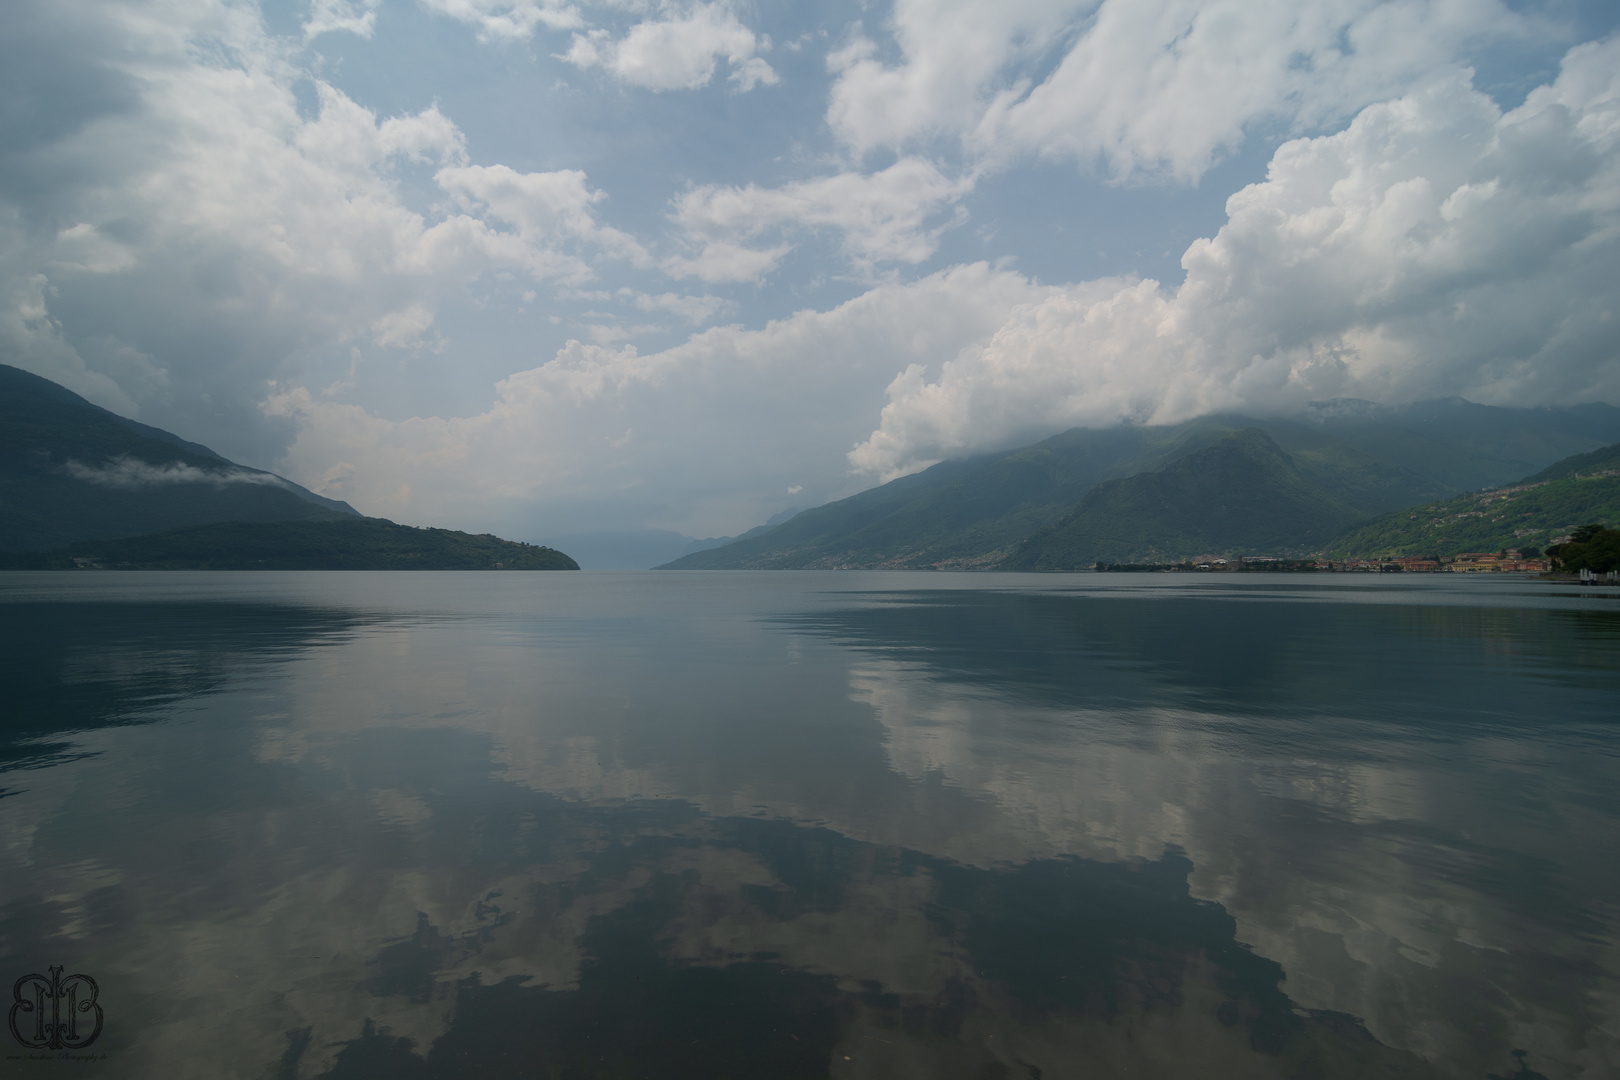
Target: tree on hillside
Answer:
pixel 1591 547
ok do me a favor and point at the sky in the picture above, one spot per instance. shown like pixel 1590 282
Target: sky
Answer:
pixel 553 267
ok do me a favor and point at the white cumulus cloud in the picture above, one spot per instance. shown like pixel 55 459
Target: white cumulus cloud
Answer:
pixel 402 329
pixel 679 51
pixel 1436 246
pixel 212 223
pixel 887 216
pixel 1141 86
pixel 509 20
pixel 721 422
pixel 544 209
pixel 352 16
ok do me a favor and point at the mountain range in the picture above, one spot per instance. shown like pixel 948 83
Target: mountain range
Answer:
pixel 1218 484
pixel 80 485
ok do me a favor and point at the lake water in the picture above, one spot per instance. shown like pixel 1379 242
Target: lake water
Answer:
pixel 796 825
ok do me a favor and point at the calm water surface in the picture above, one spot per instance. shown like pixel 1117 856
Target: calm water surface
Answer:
pixel 801 825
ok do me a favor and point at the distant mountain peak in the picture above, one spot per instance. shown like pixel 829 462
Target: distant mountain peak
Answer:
pixel 1240 495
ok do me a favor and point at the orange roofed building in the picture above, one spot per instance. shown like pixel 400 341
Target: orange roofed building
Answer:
pixel 1497 562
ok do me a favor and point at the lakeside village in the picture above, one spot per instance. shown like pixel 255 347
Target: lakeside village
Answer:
pixel 1511 561
pixel 1589 555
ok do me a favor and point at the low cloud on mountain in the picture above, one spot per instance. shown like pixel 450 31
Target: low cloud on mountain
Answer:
pixel 132 473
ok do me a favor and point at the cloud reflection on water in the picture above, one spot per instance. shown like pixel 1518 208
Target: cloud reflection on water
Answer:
pixel 912 818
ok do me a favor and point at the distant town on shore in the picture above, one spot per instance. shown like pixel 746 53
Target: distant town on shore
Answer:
pixel 1511 561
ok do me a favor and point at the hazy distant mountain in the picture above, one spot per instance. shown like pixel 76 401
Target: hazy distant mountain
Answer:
pixel 1464 445
pixel 638 549
pixel 1242 493
pixel 758 530
pixel 972 513
pixel 621 549
pixel 71 471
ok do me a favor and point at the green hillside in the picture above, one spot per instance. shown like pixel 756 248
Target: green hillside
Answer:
pixel 970 513
pixel 340 544
pixel 1241 495
pixel 1530 516
pixel 956 510
pixel 1603 460
pixel 71 471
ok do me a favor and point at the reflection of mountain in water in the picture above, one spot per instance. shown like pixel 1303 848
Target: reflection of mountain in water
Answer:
pixel 74 667
pixel 1433 665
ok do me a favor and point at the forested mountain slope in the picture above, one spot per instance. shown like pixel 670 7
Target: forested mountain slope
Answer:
pixel 973 512
pixel 1242 493
pixel 1579 490
pixel 70 470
